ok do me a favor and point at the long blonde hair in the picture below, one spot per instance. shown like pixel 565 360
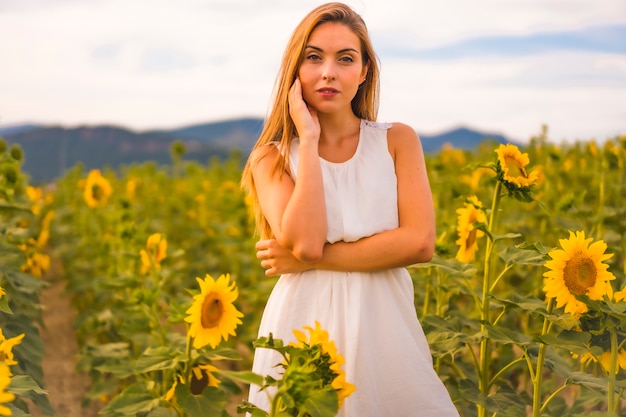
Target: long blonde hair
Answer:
pixel 279 127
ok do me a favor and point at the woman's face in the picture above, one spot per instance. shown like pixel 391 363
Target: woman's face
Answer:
pixel 332 68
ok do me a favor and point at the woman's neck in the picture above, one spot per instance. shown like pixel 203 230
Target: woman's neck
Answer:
pixel 334 128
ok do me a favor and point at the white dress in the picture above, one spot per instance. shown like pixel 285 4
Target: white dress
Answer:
pixel 370 316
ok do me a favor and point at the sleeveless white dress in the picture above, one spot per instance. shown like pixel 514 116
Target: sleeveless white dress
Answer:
pixel 370 316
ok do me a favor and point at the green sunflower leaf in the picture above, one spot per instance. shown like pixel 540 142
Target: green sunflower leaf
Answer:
pixel 210 403
pixel 321 403
pixel 162 412
pixel 159 358
pixel 572 341
pixel 507 336
pixel 246 377
pixel 520 256
pixel 135 399
pixel 248 407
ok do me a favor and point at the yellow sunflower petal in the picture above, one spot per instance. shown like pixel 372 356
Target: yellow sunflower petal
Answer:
pixel 577 269
pixel 212 315
pixel 512 167
pixel 470 213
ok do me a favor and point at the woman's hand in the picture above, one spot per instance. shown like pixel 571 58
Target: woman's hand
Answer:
pixel 277 260
pixel 303 115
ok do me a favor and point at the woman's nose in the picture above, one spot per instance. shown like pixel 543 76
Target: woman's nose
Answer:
pixel 328 72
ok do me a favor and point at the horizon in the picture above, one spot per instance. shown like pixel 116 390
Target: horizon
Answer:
pixel 422 134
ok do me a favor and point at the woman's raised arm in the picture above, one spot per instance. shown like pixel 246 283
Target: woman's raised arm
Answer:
pixel 413 241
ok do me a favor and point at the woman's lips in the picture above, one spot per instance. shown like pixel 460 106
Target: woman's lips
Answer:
pixel 327 92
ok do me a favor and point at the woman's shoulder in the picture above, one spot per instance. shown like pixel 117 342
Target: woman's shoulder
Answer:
pixel 265 156
pixel 402 132
pixel 401 136
pixel 399 128
pixel 260 152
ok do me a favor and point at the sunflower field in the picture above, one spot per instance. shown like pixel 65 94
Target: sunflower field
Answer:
pixel 524 303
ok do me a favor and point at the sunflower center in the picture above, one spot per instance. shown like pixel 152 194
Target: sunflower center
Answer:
pixel 471 238
pixel 212 311
pixel 580 274
pixel 97 192
pixel 198 382
pixel 514 169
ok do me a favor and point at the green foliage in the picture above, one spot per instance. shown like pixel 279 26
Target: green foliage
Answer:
pixel 490 330
pixel 498 345
pixel 304 388
pixel 20 311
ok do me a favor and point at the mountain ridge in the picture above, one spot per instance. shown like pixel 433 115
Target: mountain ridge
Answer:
pixel 52 149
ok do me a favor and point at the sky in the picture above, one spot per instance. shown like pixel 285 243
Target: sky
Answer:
pixel 499 66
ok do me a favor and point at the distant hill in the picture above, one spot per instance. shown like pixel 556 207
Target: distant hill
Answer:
pixel 14 129
pixel 51 150
pixel 460 138
pixel 238 133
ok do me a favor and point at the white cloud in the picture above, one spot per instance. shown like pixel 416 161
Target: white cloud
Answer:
pixel 510 96
pixel 156 63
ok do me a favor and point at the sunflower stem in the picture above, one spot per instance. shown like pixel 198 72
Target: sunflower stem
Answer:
pixel 537 380
pixel 601 198
pixel 483 382
pixel 553 395
pixel 505 368
pixel 458 369
pixel 439 302
pixel 277 406
pixel 427 292
pixel 504 271
pixel 619 398
pixel 187 369
pixel 612 405
pixel 471 288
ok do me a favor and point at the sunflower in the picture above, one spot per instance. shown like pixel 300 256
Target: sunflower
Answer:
pixel 212 315
pixel 474 178
pixel 450 156
pixel 577 269
pixel 620 295
pixel 169 395
pixel 511 168
pixel 203 376
pixel 155 252
pixel 35 195
pixel 6 348
pixel 5 396
pixel 470 213
pixel 47 219
pixel 37 264
pixel 131 187
pixel 605 360
pixel 318 336
pixel 97 189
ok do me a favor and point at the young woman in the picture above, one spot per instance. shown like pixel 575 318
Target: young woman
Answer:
pixel 343 205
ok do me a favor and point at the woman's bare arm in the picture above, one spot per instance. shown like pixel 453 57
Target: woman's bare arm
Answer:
pixel 412 242
pixel 296 211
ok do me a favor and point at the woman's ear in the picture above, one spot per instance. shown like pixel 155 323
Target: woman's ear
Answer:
pixel 364 71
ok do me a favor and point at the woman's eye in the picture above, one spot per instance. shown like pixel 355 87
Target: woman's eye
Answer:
pixel 313 57
pixel 346 59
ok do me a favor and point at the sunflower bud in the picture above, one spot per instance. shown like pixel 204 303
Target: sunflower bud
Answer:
pixel 10 173
pixel 16 153
pixel 511 172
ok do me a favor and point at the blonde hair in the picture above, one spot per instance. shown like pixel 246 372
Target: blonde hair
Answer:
pixel 279 127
